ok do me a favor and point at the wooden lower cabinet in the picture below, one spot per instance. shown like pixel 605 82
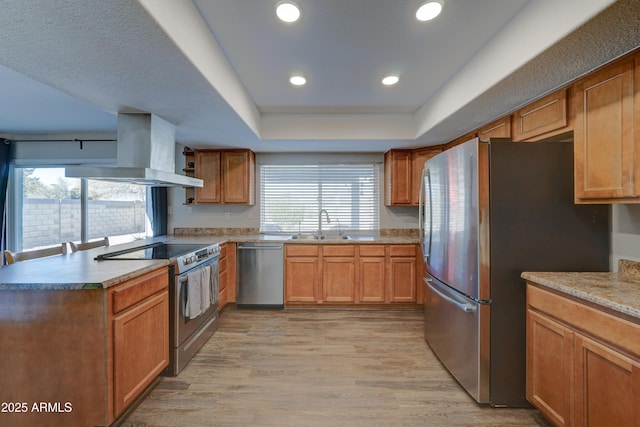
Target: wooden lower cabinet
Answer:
pixel 140 348
pixel 607 385
pixel 139 336
pixel 372 269
pixel 350 274
pixel 402 268
pixel 338 274
pixel 583 364
pixel 227 275
pixel 302 279
pixel 550 368
pixel 86 354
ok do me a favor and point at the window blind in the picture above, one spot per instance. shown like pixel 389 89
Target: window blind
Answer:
pixel 291 197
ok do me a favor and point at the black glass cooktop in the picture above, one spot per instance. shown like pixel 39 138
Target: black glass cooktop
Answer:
pixel 154 251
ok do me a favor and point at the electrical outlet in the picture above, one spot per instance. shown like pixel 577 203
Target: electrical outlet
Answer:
pixel 188 209
pixel 169 210
pixel 227 215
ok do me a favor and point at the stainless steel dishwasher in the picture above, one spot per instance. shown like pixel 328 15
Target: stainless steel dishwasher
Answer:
pixel 260 274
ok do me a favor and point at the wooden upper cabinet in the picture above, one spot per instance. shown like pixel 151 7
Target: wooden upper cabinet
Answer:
pixel 419 157
pixel 397 177
pixel 402 173
pixel 499 129
pixel 238 177
pixel 542 118
pixel 228 175
pixel 607 158
pixel 398 174
pixel 461 139
pixel 207 168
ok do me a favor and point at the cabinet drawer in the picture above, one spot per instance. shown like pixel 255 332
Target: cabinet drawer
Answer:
pixel 135 290
pixel 371 250
pixel 301 250
pixel 338 250
pixel 223 251
pixel 402 250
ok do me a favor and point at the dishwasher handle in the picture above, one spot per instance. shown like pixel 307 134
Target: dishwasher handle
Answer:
pixel 259 248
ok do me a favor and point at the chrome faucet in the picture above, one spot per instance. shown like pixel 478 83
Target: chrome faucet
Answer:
pixel 320 236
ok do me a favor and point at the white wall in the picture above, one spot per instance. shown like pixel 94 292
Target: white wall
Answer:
pixel 238 216
pixel 625 233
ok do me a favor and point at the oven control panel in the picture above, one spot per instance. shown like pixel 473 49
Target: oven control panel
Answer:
pixel 200 255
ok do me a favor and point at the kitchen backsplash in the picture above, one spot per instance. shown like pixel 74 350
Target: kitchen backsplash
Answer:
pixel 629 268
pixel 202 231
pixel 197 231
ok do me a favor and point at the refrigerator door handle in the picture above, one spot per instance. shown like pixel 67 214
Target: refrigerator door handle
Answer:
pixel 426 249
pixel 467 308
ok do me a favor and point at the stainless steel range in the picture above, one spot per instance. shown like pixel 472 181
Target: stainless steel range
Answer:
pixel 188 332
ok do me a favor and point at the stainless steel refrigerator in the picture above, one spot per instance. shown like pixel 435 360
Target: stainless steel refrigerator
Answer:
pixel 488 212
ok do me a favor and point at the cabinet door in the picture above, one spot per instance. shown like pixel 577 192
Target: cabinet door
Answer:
pixel 603 137
pixel 238 176
pixel 544 117
pixel 607 386
pixel 301 279
pixel 338 279
pixel 371 279
pixel 208 169
pixel 402 286
pixel 398 176
pixel 498 129
pixel 550 368
pixel 419 157
pixel 140 348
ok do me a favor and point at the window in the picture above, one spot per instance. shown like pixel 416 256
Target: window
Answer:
pixel 45 209
pixel 291 197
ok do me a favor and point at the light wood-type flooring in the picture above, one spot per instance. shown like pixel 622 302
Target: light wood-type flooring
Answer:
pixel 318 368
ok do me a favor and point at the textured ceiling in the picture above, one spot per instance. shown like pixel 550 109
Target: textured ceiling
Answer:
pixel 217 69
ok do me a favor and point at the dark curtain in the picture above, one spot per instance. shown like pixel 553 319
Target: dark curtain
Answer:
pixel 5 159
pixel 159 211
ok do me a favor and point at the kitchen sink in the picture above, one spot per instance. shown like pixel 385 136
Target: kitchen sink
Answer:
pixel 316 237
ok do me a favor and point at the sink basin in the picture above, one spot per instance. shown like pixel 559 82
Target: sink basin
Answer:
pixel 304 237
pixel 316 237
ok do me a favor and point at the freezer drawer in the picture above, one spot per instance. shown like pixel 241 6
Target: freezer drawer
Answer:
pixel 260 275
pixel 457 330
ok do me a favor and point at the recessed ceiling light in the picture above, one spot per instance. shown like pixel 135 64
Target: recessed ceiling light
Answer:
pixel 297 80
pixel 288 11
pixel 390 80
pixel 429 10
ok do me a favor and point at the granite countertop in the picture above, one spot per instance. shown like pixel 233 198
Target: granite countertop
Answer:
pixel 80 270
pixel 77 270
pixel 617 291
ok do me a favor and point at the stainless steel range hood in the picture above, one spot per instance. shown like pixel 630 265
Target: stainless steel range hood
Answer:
pixel 145 155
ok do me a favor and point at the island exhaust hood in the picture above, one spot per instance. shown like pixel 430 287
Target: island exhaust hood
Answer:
pixel 145 155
